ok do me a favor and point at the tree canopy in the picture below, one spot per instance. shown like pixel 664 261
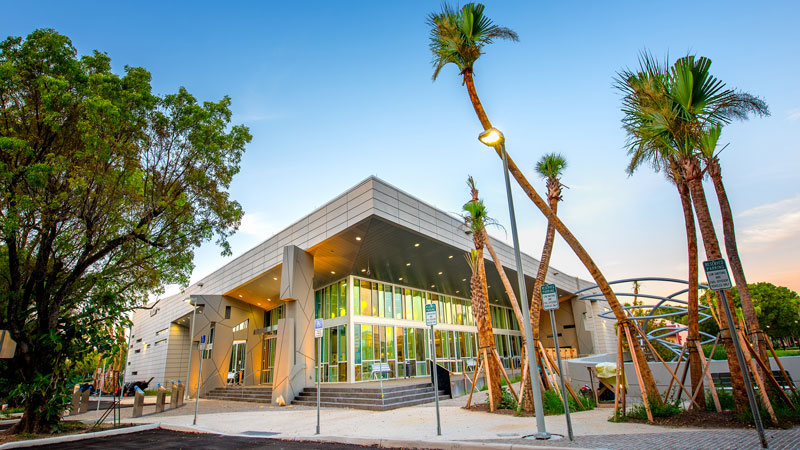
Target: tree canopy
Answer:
pixel 106 189
pixel 777 308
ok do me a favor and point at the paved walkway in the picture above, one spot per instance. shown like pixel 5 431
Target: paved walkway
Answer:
pixel 418 423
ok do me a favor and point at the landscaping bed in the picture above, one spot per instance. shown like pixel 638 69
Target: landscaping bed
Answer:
pixel 67 427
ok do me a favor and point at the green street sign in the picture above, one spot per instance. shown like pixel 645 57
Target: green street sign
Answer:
pixel 549 297
pixel 430 314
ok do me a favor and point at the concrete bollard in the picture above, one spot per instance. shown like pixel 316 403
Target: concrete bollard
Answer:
pixel 173 396
pixel 75 406
pixel 181 392
pixel 85 401
pixel 138 403
pixel 161 394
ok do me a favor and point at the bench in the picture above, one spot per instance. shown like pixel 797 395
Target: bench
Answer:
pixel 722 380
pixel 380 369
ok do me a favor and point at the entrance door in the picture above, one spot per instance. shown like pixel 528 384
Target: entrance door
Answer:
pixel 268 359
pixel 237 364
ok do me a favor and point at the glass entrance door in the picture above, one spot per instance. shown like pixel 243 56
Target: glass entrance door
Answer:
pixel 268 359
pixel 237 364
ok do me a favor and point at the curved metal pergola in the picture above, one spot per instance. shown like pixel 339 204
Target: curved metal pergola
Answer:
pixel 668 306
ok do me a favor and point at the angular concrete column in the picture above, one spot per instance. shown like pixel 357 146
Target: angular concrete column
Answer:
pixel 294 352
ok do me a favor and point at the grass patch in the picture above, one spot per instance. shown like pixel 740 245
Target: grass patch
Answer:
pixel 553 405
pixel 786 353
pixel 658 408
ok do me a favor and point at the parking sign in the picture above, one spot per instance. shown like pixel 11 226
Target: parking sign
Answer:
pixel 549 297
pixel 317 328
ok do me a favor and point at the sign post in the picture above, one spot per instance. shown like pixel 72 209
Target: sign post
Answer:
pixel 317 335
pixel 202 348
pixel 430 320
pixel 719 280
pixel 550 303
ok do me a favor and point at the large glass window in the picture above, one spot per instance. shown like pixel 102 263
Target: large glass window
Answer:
pixel 409 304
pixel 417 305
pixel 366 298
pixel 398 303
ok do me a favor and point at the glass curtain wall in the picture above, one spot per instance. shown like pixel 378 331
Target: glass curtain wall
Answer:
pixel 393 350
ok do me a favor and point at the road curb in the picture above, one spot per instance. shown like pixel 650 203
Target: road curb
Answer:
pixel 78 437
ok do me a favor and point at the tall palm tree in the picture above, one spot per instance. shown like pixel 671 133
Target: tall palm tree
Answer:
pixel 688 102
pixel 550 167
pixel 476 219
pixel 708 145
pixel 644 91
pixel 458 37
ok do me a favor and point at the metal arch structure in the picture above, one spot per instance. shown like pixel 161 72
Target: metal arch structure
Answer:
pixel 662 307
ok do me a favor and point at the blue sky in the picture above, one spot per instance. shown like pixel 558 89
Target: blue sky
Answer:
pixel 335 92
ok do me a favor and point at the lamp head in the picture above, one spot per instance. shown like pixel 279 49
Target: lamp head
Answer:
pixel 492 137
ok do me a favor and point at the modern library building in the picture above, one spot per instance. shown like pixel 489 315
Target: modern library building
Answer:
pixel 366 263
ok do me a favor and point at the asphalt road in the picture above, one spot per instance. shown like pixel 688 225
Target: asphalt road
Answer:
pixel 164 439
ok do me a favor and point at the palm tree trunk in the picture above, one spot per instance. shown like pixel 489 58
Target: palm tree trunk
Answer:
pixel 483 321
pixel 544 264
pixel 526 382
pixel 692 173
pixel 757 335
pixel 580 252
pixel 695 365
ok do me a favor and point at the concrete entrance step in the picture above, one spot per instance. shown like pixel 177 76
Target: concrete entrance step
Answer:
pixel 393 397
pixel 256 394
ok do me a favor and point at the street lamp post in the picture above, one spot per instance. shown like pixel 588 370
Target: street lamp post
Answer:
pixel 493 137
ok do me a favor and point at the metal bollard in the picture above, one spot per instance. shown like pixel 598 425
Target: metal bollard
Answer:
pixel 138 402
pixel 181 392
pixel 161 395
pixel 85 400
pixel 75 406
pixel 173 396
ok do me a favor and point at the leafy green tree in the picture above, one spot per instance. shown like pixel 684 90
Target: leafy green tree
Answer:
pixel 105 192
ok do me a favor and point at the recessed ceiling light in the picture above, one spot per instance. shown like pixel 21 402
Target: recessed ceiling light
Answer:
pixel 332 272
pixel 488 286
pixel 463 279
pixel 401 278
pixel 416 245
pixel 408 264
pixel 456 291
pixel 259 304
pixel 240 295
pixel 363 270
pixel 450 257
pixel 440 273
pixel 358 238
pixel 433 285
pixel 269 299
pixel 275 278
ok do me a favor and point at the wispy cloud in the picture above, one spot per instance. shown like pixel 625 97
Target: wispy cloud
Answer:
pixel 256 224
pixel 771 223
pixel 793 114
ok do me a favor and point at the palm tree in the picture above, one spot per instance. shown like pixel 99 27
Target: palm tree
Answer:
pixel 708 145
pixel 644 91
pixel 683 104
pixel 550 167
pixel 476 219
pixel 512 297
pixel 458 37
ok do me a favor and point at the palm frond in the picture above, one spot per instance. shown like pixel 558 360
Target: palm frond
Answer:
pixel 551 165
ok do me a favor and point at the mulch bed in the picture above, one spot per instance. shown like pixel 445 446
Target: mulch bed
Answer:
pixel 707 419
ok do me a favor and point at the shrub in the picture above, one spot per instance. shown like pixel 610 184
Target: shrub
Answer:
pixel 508 401
pixel 553 405
pixel 657 408
pixel 725 400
